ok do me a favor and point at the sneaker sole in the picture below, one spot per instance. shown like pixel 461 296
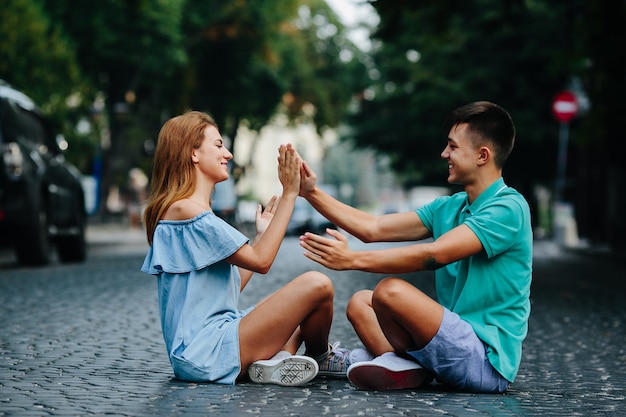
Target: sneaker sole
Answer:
pixel 378 378
pixel 288 372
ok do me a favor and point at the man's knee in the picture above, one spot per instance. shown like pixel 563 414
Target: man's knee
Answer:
pixel 387 291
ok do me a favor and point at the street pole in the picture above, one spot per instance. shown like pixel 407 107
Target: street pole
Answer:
pixel 561 162
pixel 564 108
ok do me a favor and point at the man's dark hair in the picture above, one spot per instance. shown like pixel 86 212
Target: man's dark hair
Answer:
pixel 487 123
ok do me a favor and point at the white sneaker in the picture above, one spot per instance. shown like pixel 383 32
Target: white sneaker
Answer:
pixel 287 371
pixel 281 355
pixel 388 371
pixel 360 355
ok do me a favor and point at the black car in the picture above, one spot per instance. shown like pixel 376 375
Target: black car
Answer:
pixel 42 202
pixel 306 219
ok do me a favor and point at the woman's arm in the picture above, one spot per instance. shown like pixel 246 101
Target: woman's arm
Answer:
pixel 263 219
pixel 260 256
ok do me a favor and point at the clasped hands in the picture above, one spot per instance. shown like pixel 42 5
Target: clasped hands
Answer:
pixel 332 253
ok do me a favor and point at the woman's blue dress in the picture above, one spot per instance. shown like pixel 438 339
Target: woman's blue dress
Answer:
pixel 198 293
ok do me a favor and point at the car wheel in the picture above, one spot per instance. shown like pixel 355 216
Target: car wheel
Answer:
pixel 33 246
pixel 73 247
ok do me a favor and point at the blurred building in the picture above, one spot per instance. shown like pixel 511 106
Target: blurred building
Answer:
pixel 259 151
pixel 372 187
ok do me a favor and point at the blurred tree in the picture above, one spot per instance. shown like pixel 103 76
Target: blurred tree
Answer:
pixel 433 57
pixel 322 66
pixel 129 50
pixel 36 58
pixel 250 59
pixel 596 167
pixel 233 71
pixel 39 60
pixel 135 63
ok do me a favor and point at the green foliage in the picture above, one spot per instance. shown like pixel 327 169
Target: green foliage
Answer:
pixel 233 72
pixel 147 60
pixel 250 59
pixel 133 43
pixel 150 59
pixel 129 51
pixel 325 67
pixel 247 56
pixel 39 60
pixel 436 56
pixel 36 58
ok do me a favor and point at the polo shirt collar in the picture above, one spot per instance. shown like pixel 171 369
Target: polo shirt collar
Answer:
pixel 485 196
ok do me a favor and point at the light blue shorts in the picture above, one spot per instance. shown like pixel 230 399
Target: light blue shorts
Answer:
pixel 458 358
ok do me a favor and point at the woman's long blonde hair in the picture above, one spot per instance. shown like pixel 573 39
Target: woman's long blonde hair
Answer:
pixel 173 175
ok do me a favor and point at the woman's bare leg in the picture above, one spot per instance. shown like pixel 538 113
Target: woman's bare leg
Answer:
pixel 305 302
pixel 294 342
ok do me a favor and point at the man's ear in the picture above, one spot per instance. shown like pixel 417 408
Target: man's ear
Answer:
pixel 484 155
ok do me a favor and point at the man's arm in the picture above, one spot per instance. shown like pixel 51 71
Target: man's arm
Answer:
pixel 397 227
pixel 458 243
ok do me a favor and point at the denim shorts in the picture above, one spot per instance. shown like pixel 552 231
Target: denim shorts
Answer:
pixel 458 358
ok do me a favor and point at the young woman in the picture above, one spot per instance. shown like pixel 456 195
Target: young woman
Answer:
pixel 202 264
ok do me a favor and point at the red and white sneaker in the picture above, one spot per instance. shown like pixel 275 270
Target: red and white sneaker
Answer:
pixel 360 355
pixel 388 372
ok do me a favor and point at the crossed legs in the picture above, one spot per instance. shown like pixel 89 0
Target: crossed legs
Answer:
pixel 394 317
pixel 301 311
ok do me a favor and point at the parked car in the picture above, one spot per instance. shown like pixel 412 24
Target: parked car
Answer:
pixel 306 219
pixel 42 202
pixel 319 223
pixel 300 220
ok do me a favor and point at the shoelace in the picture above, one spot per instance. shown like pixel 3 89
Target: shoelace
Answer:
pixel 338 358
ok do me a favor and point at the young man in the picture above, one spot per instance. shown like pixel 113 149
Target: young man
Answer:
pixel 470 339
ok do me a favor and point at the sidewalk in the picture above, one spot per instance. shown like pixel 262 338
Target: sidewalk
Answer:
pixel 111 233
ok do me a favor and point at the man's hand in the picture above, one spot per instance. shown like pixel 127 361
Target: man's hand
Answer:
pixel 331 253
pixel 308 179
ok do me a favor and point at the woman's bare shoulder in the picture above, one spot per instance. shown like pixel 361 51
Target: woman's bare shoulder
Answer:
pixel 183 209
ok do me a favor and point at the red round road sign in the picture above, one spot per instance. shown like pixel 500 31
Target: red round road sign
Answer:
pixel 565 106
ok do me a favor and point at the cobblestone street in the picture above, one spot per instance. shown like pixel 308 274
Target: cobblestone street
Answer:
pixel 84 339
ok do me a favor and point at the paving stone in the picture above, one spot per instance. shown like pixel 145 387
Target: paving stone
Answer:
pixel 84 339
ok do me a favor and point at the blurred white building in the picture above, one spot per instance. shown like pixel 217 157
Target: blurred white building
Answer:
pixel 261 149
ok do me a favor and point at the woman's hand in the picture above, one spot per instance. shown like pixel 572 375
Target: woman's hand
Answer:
pixel 264 216
pixel 289 163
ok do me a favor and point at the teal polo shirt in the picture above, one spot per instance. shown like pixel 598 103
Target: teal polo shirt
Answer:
pixel 490 290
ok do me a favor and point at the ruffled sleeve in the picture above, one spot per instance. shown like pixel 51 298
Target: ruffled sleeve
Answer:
pixel 182 246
